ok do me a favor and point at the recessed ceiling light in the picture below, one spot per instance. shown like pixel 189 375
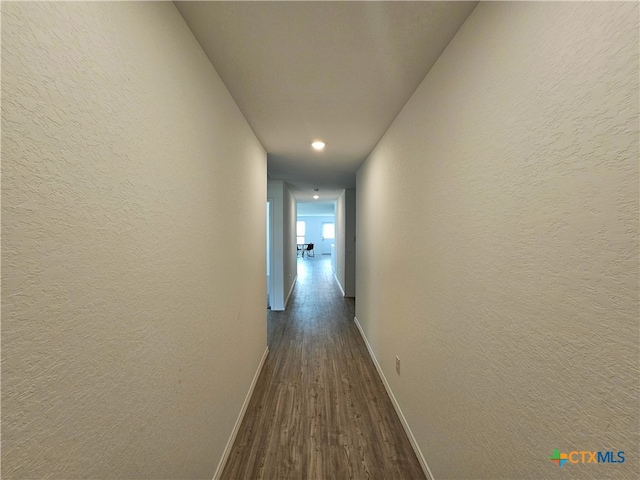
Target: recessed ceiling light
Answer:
pixel 318 145
pixel 316 197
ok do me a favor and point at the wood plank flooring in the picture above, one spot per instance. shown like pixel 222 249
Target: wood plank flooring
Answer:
pixel 319 409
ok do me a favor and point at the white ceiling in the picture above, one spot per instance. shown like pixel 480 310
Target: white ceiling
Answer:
pixel 336 71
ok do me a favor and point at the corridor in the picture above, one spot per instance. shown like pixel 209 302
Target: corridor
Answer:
pixel 319 409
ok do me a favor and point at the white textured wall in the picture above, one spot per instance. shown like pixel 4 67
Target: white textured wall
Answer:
pixel 284 242
pixel 340 219
pixel 275 192
pixel 289 238
pixel 350 243
pixel 133 232
pixel 345 241
pixel 498 244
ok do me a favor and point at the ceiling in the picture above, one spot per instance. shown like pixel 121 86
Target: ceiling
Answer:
pixel 339 72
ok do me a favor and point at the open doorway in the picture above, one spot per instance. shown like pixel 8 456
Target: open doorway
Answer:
pixel 316 225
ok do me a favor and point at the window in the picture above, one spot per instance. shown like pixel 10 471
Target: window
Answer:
pixel 300 232
pixel 328 230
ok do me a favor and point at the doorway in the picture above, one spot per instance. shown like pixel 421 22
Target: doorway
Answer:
pixel 328 237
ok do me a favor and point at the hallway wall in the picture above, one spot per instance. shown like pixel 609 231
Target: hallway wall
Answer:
pixel 284 243
pixel 133 236
pixel 346 241
pixel 498 244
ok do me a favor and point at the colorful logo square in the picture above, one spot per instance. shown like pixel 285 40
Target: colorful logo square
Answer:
pixel 559 458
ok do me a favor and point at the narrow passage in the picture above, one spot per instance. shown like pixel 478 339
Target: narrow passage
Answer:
pixel 319 409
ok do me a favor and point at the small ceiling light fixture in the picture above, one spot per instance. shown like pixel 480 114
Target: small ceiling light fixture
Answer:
pixel 316 197
pixel 318 145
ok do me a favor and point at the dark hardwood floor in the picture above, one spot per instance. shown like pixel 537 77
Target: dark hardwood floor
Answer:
pixel 319 409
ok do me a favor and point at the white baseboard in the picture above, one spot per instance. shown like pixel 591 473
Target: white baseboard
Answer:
pixel 293 284
pixel 403 420
pixel 236 427
pixel 340 286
